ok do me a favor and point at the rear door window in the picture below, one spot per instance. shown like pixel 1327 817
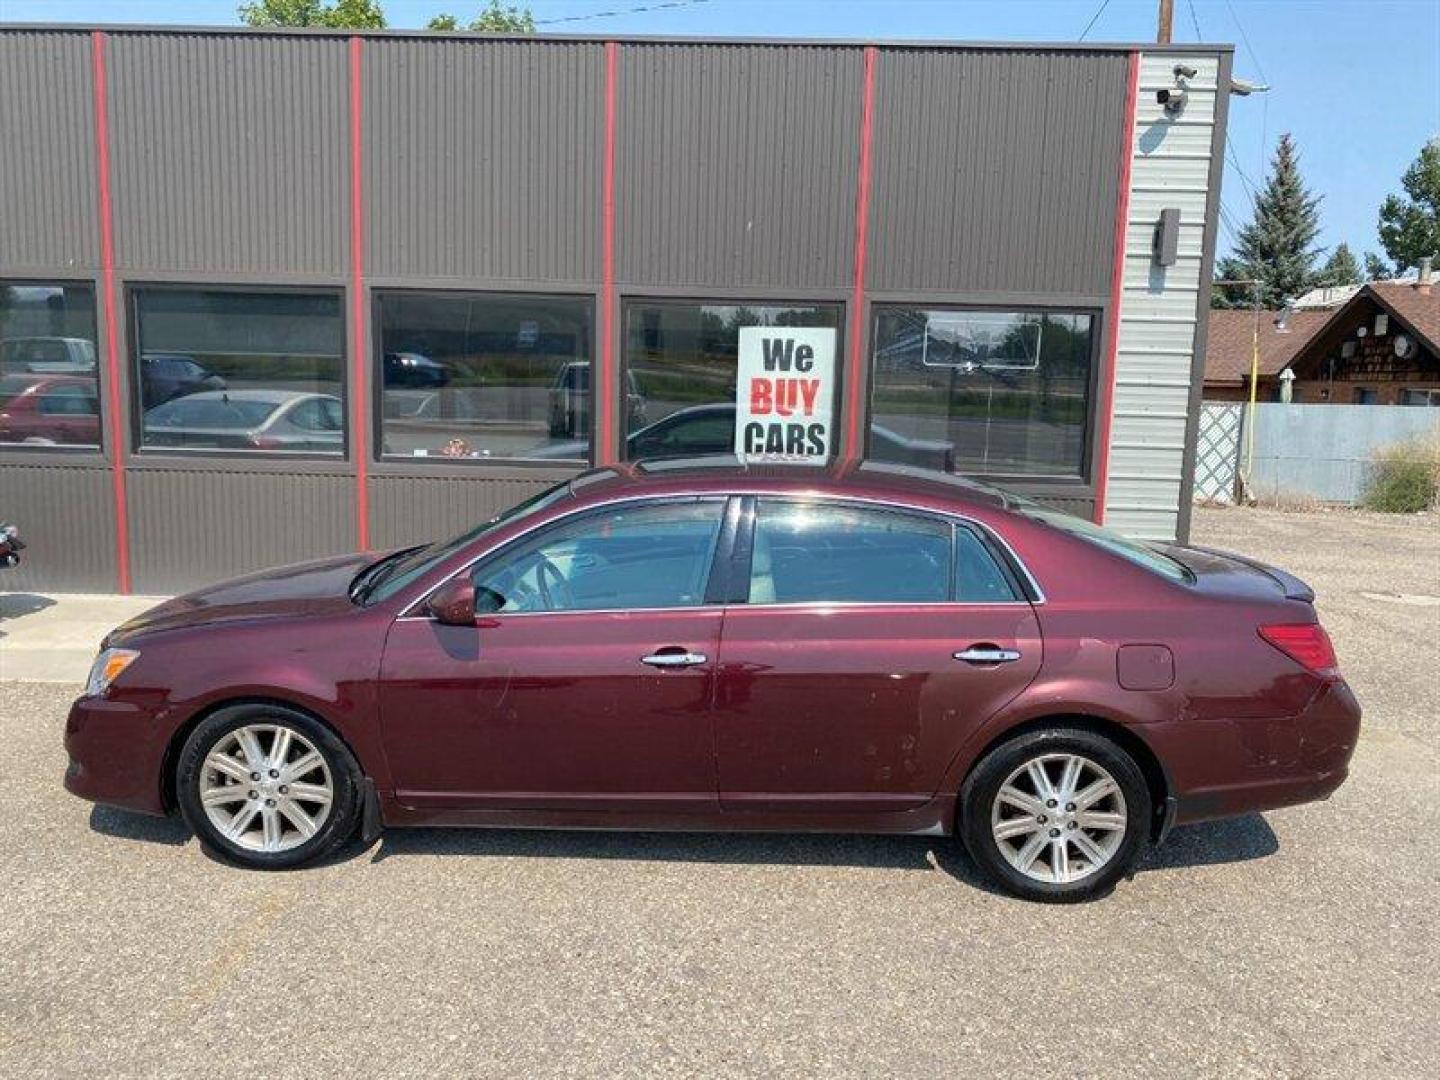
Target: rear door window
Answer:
pixel 806 552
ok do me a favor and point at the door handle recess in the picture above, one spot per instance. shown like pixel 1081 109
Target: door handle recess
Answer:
pixel 673 659
pixel 987 654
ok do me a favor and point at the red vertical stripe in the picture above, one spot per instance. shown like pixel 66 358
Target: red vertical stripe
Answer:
pixel 605 385
pixel 113 408
pixel 1105 407
pixel 358 365
pixel 855 443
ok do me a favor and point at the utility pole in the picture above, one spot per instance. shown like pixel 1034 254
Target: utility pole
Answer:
pixel 1165 20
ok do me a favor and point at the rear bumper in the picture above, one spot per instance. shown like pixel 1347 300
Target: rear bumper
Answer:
pixel 116 749
pixel 1229 767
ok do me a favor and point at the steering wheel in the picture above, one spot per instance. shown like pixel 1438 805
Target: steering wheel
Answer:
pixel 555 591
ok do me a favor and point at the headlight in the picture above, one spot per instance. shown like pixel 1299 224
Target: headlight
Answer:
pixel 107 668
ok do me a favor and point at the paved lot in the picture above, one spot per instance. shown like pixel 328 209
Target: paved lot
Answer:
pixel 1294 944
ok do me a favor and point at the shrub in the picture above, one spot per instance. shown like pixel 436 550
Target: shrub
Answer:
pixel 1405 477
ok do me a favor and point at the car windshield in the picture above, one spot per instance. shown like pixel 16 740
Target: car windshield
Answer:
pixel 392 576
pixel 211 413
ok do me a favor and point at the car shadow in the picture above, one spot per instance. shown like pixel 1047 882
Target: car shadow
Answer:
pixel 18 605
pixel 1209 844
pixel 1213 843
pixel 129 825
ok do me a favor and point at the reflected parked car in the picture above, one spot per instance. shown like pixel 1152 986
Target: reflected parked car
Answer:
pixel 287 420
pixel 710 429
pixel 854 649
pixel 62 410
pixel 570 400
pixel 165 376
pixel 47 355
pixel 412 369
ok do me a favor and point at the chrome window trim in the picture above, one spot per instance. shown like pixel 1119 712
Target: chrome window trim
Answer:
pixel 744 492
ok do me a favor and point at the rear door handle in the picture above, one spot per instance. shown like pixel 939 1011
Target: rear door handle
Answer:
pixel 987 654
pixel 676 659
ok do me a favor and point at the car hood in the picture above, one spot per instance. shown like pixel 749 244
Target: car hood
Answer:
pixel 309 588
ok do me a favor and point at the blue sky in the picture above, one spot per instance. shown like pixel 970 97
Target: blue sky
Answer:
pixel 1357 83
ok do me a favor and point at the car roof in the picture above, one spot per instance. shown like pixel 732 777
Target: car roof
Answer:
pixel 881 481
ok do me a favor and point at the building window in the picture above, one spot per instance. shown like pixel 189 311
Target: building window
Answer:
pixel 1420 397
pixel 238 370
pixel 485 375
pixel 681 365
pixel 49 379
pixel 1364 395
pixel 982 392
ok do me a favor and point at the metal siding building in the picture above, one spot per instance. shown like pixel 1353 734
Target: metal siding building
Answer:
pixel 615 177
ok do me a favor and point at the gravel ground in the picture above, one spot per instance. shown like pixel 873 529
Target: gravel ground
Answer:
pixel 1292 944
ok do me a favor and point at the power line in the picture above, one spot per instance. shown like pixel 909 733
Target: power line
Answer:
pixel 1246 39
pixel 1098 12
pixel 620 11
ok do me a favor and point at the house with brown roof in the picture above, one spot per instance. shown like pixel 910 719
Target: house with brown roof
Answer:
pixel 1380 347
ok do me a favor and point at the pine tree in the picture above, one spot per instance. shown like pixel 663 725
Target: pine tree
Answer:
pixel 1277 247
pixel 1342 268
pixel 1410 224
pixel 1376 268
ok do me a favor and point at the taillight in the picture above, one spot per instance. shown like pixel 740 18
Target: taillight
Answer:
pixel 1305 643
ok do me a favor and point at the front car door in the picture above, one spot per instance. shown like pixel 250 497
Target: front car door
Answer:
pixel 586 685
pixel 839 688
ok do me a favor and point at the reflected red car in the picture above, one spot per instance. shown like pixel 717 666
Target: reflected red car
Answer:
pixel 862 648
pixel 61 410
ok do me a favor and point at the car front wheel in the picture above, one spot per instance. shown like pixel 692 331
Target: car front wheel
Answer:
pixel 267 787
pixel 1057 815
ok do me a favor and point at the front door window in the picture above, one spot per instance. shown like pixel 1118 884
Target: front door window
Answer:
pixel 655 556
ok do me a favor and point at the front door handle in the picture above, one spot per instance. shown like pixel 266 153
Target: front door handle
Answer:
pixel 677 659
pixel 987 654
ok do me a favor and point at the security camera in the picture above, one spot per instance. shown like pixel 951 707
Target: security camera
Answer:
pixel 1172 99
pixel 1183 71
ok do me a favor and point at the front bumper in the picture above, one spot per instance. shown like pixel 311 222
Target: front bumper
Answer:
pixel 1223 768
pixel 117 750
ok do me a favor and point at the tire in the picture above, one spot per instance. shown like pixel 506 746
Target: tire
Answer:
pixel 1085 844
pixel 215 775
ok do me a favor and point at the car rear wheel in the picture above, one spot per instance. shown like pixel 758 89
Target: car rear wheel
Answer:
pixel 267 787
pixel 1057 815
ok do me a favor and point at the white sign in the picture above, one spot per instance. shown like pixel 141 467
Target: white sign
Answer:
pixel 784 394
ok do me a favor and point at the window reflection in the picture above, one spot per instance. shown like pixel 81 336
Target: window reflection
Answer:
pixel 1006 392
pixel 681 362
pixel 222 369
pixel 49 383
pixel 470 376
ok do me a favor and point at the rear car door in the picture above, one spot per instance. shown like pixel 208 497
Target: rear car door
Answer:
pixel 840 687
pixel 586 685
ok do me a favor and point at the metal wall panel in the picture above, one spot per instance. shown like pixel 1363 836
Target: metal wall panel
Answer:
pixel 188 528
pixel 483 159
pixel 995 171
pixel 63 517
pixel 47 153
pixel 414 510
pixel 229 153
pixel 1171 167
pixel 737 165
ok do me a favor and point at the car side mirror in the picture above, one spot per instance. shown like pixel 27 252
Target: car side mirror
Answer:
pixel 453 604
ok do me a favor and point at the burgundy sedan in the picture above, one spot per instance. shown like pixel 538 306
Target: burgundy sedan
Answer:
pixel 683 646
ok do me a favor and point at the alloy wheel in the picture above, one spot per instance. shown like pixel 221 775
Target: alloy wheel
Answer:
pixel 266 787
pixel 1059 818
